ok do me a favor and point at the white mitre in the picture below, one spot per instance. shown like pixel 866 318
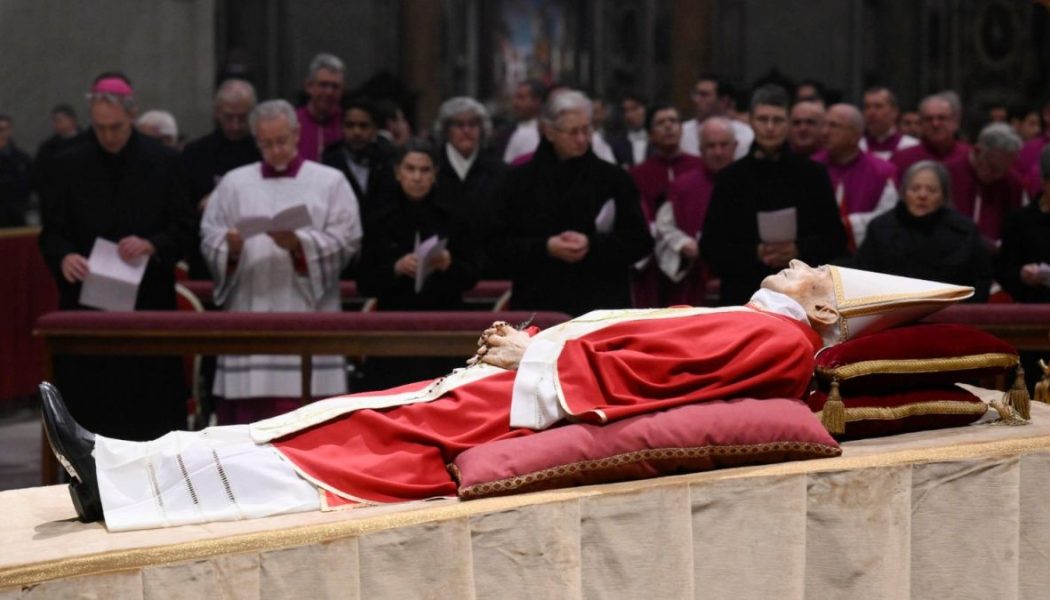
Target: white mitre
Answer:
pixel 868 302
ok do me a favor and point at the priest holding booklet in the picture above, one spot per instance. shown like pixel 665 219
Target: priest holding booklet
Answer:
pixel 275 236
pixel 769 208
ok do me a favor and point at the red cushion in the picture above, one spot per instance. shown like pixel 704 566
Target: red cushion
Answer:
pixel 872 415
pixel 920 355
pixel 685 439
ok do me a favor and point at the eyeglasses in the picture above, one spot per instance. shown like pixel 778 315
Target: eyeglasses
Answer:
pixel 469 124
pixel 575 131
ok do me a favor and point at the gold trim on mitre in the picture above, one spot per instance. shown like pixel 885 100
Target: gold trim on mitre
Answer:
pixel 907 291
pixel 868 301
pixel 918 365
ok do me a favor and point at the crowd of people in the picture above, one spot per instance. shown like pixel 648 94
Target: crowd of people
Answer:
pixel 579 215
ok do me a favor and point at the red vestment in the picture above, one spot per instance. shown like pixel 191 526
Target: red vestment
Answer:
pixel 626 368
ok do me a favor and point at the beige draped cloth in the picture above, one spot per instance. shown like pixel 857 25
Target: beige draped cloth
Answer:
pixel 959 513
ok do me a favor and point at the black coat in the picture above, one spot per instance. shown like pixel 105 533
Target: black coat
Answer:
pixel 473 201
pixel 546 197
pixel 1026 239
pixel 141 191
pixel 752 185
pixel 15 173
pixel 382 185
pixel 206 160
pixel 391 233
pixel 942 246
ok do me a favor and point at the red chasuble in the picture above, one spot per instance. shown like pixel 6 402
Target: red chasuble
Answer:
pixel 628 368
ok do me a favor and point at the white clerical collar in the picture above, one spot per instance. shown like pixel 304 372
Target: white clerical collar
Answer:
pixel 638 135
pixel 530 124
pixel 459 164
pixel 778 303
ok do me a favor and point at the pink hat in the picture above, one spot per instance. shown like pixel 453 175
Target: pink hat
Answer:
pixel 112 85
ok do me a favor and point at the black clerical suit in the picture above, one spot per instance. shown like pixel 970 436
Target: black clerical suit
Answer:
pixel 546 197
pixel 139 191
pixel 758 183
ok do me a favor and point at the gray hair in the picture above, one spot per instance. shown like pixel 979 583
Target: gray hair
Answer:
pixel 1001 137
pixel 937 169
pixel 273 109
pixel 453 107
pixel 948 96
pixel 125 102
pixel 722 122
pixel 1044 162
pixel 163 120
pixel 235 89
pixel 326 61
pixel 563 101
pixel 854 116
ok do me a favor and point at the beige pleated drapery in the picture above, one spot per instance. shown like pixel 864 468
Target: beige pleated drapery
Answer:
pixel 960 513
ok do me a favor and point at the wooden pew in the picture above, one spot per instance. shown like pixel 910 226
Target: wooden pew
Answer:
pixel 152 333
pixel 1024 326
pixel 488 294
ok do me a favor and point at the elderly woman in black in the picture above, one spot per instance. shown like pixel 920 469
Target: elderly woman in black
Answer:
pixel 924 237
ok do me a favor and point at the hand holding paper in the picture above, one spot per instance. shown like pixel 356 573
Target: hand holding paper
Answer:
pixel 289 219
pixel 426 252
pixel 111 283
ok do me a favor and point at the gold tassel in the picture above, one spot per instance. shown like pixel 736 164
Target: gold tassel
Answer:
pixel 833 415
pixel 1042 389
pixel 1018 397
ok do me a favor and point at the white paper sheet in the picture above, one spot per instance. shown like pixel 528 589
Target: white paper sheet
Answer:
pixel 425 252
pixel 292 218
pixel 606 219
pixel 111 283
pixel 778 225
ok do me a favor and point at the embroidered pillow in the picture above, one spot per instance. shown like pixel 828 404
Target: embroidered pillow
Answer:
pixel 920 355
pixel 872 415
pixel 685 439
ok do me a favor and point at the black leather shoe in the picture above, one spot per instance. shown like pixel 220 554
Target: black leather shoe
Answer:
pixel 72 445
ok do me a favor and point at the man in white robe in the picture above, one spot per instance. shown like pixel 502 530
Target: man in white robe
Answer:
pixel 287 265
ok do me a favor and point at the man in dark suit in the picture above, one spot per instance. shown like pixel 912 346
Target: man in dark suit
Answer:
pixel 365 158
pixel 128 189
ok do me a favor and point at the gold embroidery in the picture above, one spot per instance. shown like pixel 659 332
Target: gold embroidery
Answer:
pixel 918 365
pixel 932 407
pixel 520 482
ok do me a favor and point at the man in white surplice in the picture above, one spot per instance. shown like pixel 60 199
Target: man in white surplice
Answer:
pixel 289 264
